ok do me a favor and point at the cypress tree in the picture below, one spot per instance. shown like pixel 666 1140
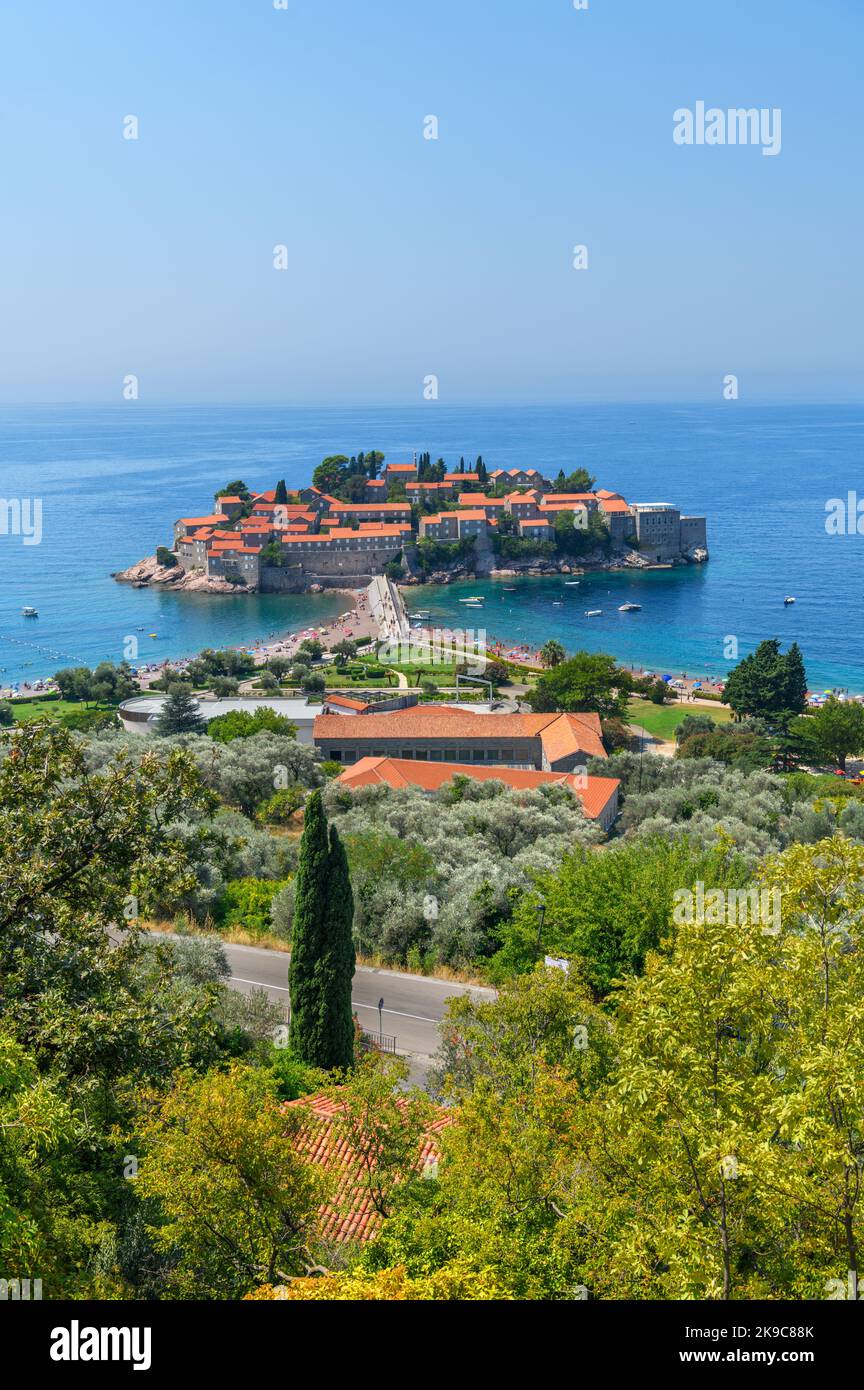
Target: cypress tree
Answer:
pixel 339 961
pixel 180 714
pixel 322 948
pixel 281 495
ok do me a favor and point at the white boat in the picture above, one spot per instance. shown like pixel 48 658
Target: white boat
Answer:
pixel 28 612
pixel 788 599
pixel 476 598
pixel 629 607
pixel 593 612
pixel 557 603
pixel 571 583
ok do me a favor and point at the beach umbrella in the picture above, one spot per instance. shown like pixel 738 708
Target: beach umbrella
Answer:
pixel 667 677
pixel 697 685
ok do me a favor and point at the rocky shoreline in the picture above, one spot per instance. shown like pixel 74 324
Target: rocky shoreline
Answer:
pixel 628 560
pixel 148 573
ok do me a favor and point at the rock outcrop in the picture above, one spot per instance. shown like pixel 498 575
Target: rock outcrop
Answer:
pixel 149 573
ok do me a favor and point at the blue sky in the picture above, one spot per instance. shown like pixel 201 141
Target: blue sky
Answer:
pixel 410 257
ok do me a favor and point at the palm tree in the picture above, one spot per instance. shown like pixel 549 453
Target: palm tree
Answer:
pixel 552 653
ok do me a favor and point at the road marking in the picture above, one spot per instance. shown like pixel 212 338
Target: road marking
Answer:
pixel 420 1018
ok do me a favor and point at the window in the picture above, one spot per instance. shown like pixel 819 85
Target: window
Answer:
pixel 506 755
pixel 478 755
pixel 464 755
pixel 407 753
pixel 451 755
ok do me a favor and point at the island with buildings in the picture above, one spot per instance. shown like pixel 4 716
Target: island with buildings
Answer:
pixel 415 522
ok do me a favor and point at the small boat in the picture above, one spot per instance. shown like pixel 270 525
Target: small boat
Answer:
pixel 475 598
pixel 557 603
pixel 788 599
pixel 28 612
pixel 151 634
pixel 510 589
pixel 629 607
pixel 593 612
pixel 571 583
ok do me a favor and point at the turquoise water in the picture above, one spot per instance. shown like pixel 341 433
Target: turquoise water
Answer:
pixel 113 479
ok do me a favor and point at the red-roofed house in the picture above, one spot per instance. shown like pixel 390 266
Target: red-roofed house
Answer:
pixel 547 742
pixel 598 795
pixel 351 1213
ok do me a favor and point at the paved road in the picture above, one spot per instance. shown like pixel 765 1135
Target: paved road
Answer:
pixel 413 1005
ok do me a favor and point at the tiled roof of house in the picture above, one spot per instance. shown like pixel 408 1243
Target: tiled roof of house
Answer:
pixel 561 734
pixel 234 548
pixel 477 499
pixel 529 496
pixel 229 499
pixel 461 477
pixel 526 522
pixel 343 532
pixel 211 520
pixel 269 496
pixel 345 702
pixel 558 498
pixel 595 793
pixel 350 1214
pixel 614 504
pixel 401 468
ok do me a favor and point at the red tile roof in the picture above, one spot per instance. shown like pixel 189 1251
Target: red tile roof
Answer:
pixel 461 477
pixel 350 1214
pixel 595 793
pixel 560 734
pixel 614 504
pixel 345 702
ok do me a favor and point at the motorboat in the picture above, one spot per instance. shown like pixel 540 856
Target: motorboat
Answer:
pixel 788 599
pixel 629 607
pixel 475 598
pixel 28 612
pixel 593 612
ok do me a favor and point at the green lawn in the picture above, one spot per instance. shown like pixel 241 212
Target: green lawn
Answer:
pixel 30 710
pixel 661 721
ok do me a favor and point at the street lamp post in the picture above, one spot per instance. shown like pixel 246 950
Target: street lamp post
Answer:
pixel 541 917
pixel 381 1021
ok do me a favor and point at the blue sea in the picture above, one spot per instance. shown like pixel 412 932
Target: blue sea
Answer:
pixel 112 480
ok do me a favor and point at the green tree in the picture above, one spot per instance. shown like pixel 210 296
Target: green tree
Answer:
pixel 280 496
pixel 584 682
pixel 836 731
pixel 769 685
pixel 329 474
pixel 180 714
pixel 244 723
pixel 552 653
pixel 322 955
pixel 235 1204
pixel 7 714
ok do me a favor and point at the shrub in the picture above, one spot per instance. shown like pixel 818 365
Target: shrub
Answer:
pixel 246 903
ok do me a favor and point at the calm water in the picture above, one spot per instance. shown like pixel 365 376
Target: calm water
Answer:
pixel 113 479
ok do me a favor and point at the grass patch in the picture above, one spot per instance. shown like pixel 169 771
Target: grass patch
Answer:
pixel 661 721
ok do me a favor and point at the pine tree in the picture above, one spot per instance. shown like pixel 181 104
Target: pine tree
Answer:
pixel 281 495
pixel 180 714
pixel 322 948
pixel 796 681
